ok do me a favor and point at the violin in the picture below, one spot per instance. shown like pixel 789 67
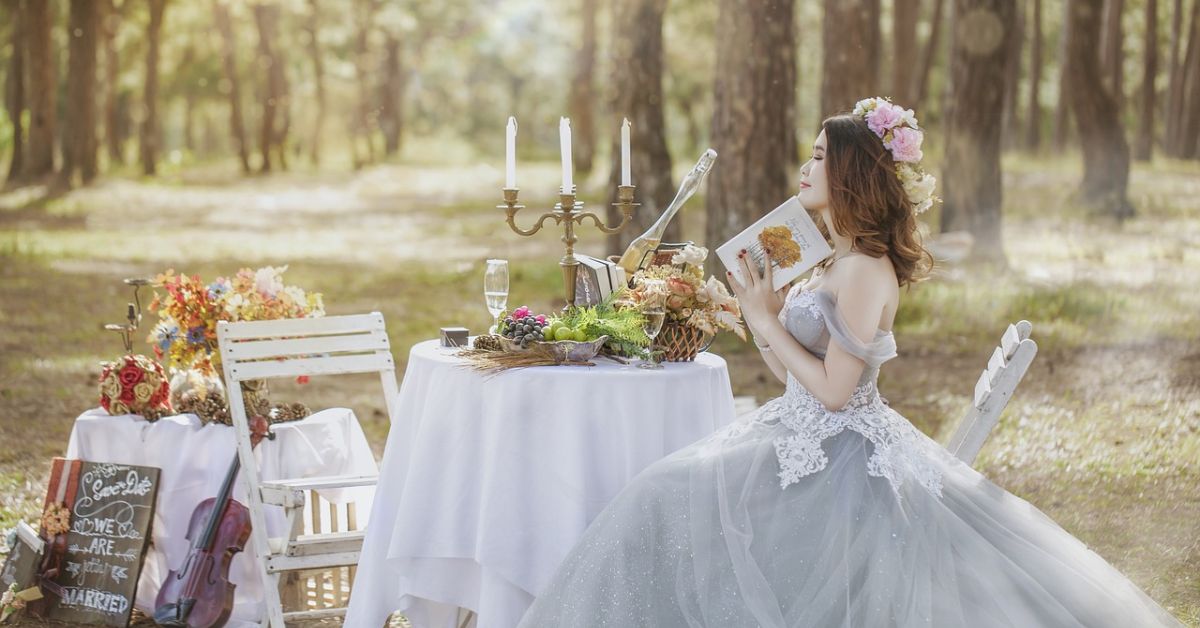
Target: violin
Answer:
pixel 199 594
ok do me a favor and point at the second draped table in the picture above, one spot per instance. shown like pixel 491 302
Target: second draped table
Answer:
pixel 488 481
pixel 194 459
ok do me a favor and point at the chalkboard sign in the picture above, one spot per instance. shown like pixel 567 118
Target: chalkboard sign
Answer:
pixel 110 527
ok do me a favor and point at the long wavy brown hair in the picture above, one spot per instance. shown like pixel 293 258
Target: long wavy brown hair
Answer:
pixel 867 201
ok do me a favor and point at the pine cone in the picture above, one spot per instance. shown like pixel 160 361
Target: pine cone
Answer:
pixel 488 343
pixel 288 412
pixel 211 408
pixel 254 396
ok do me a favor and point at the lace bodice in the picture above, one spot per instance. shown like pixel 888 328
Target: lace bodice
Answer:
pixel 901 451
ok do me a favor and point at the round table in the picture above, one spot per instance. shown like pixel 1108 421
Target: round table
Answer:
pixel 487 481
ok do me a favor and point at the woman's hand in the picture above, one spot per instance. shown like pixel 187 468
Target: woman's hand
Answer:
pixel 759 303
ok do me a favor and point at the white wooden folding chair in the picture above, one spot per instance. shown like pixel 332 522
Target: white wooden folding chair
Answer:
pixel 994 388
pixel 289 348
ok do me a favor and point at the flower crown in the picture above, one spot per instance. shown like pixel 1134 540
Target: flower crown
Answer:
pixel 902 136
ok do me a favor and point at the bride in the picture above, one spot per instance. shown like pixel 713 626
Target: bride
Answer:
pixel 825 507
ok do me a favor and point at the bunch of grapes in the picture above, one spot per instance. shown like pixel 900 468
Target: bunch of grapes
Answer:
pixel 524 330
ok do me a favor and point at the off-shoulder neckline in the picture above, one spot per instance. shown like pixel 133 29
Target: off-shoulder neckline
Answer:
pixel 879 331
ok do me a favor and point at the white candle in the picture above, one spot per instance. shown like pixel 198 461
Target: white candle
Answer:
pixel 564 140
pixel 626 176
pixel 510 154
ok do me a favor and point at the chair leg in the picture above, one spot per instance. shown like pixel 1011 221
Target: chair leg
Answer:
pixel 274 610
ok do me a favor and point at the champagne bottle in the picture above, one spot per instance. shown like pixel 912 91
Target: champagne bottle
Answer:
pixel 633 257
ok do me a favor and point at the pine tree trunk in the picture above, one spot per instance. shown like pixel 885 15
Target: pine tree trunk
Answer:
pixel 1033 128
pixel 43 116
pixel 851 60
pixel 1102 138
pixel 750 121
pixel 189 101
pixel 150 131
pixel 1189 124
pixel 113 137
pixel 1062 112
pixel 581 99
pixel 1012 77
pixel 390 121
pixel 1112 60
pixel 313 25
pixel 1145 140
pixel 367 118
pixel 266 18
pixel 929 53
pixel 905 15
pixel 79 126
pixel 1175 82
pixel 638 95
pixel 983 32
pixel 237 127
pixel 14 87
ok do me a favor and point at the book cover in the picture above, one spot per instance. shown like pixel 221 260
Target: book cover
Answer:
pixel 791 236
pixel 597 279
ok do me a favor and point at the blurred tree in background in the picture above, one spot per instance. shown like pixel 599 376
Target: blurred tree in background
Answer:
pixel 263 85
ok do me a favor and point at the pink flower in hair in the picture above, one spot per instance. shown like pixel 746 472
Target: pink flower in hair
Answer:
pixel 906 144
pixel 884 117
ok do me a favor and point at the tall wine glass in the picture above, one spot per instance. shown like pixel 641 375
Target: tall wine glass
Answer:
pixel 654 313
pixel 653 321
pixel 495 289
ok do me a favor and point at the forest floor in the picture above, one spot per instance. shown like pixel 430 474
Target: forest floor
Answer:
pixel 1103 434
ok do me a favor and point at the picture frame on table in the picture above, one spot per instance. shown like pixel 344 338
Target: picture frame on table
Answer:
pixel 25 551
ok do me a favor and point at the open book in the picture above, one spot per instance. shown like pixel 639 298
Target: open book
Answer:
pixel 795 243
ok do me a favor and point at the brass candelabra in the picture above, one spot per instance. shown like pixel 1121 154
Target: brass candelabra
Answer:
pixel 568 212
pixel 133 314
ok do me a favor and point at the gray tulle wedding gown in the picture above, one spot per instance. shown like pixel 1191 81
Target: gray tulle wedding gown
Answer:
pixel 799 517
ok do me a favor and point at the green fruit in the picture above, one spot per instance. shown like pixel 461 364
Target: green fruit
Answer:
pixel 564 333
pixel 581 335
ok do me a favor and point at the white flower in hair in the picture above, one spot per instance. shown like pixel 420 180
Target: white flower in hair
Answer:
pixel 902 137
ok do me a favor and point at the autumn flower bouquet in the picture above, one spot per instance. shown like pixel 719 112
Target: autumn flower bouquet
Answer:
pixel 190 310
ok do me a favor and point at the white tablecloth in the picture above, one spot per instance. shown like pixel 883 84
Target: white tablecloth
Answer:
pixel 194 460
pixel 487 482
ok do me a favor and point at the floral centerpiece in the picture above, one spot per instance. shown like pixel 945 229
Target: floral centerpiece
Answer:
pixel 186 334
pixel 187 330
pixel 696 309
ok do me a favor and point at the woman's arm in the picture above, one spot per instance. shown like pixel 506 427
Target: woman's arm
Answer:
pixel 861 303
pixel 768 356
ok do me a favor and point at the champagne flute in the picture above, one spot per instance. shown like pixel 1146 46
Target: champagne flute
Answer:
pixel 654 313
pixel 653 322
pixel 495 289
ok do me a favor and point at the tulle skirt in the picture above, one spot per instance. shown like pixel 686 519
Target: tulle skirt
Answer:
pixel 706 537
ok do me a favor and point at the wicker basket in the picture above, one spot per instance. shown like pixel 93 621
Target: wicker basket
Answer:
pixel 681 343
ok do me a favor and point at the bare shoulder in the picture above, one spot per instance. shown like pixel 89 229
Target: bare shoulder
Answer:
pixel 873 274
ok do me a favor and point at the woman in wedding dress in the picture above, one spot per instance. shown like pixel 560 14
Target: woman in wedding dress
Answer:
pixel 825 507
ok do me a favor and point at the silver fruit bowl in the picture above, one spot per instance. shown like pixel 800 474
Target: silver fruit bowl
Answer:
pixel 560 350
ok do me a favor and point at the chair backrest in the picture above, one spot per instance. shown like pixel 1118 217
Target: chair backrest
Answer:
pixel 330 345
pixel 993 389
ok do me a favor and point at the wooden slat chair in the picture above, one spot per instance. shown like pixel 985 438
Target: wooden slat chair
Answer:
pixel 994 388
pixel 331 345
